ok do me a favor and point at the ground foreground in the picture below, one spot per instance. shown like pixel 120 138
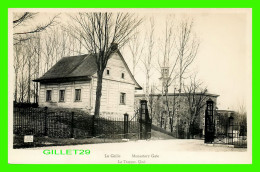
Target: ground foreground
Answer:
pixel 49 141
pixel 156 145
pixel 172 151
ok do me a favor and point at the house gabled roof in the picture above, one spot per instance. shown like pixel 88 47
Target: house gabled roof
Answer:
pixel 70 67
pixel 76 68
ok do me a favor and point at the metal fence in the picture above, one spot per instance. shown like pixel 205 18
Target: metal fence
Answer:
pixel 231 133
pixel 62 124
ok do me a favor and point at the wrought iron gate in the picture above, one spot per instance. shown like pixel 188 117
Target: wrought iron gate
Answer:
pixel 229 132
pixel 222 129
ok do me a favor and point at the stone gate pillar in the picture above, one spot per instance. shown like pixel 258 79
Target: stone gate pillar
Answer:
pixel 209 122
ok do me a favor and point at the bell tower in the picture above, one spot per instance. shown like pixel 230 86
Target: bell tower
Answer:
pixel 164 78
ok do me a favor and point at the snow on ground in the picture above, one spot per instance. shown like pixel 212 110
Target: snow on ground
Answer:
pixel 171 151
pixel 156 145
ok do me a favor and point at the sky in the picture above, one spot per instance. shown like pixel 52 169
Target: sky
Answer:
pixel 223 57
pixel 223 62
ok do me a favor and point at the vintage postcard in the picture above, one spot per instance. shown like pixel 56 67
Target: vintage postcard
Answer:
pixel 130 86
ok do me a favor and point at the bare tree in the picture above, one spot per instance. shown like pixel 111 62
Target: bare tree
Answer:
pixel 64 39
pixel 31 43
pixel 16 65
pixel 174 109
pixel 168 66
pixel 37 65
pixel 152 101
pixel 196 100
pixel 241 115
pixel 102 34
pixel 19 21
pixel 147 60
pixel 22 79
pixel 136 49
pixel 49 45
pixel 187 47
pixel 29 50
pixel 242 108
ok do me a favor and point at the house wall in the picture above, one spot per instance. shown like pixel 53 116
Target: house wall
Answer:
pixel 110 99
pixel 113 84
pixel 69 100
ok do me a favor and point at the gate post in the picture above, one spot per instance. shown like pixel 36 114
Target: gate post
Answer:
pixel 144 120
pixel 45 122
pixel 72 126
pixel 147 124
pixel 125 125
pixel 142 117
pixel 209 122
pixel 230 124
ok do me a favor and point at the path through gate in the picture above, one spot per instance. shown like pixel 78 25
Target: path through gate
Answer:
pixel 139 126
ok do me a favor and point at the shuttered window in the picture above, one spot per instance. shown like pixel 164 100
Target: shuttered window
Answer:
pixel 122 98
pixel 77 94
pixel 62 95
pixel 48 95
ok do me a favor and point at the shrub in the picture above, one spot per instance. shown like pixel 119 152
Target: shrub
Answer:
pixel 25 105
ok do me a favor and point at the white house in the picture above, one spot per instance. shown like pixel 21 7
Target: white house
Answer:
pixel 72 81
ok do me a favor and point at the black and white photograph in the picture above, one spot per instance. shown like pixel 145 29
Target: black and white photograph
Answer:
pixel 130 86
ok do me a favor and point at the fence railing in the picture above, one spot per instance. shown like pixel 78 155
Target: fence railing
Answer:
pixel 42 122
pixel 231 134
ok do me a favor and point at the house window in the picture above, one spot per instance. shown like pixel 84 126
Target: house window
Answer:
pixel 48 95
pixel 108 71
pixel 122 98
pixel 62 95
pixel 123 76
pixel 77 94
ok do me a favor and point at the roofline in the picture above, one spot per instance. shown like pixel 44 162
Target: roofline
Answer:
pixel 85 78
pixel 63 79
pixel 44 79
pixel 131 75
pixel 177 94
